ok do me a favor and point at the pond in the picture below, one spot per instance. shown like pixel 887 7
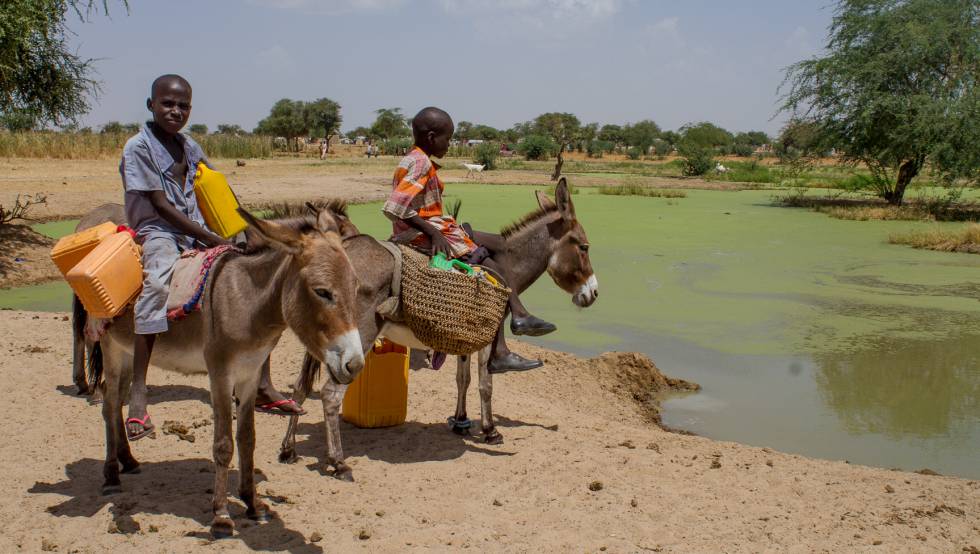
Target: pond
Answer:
pixel 809 334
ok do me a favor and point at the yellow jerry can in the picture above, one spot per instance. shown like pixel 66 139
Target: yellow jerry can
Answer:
pixel 72 248
pixel 109 277
pixel 217 202
pixel 378 397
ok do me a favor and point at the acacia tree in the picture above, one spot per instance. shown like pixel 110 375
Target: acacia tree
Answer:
pixel 563 128
pixel 285 119
pixel 896 90
pixel 41 80
pixel 323 116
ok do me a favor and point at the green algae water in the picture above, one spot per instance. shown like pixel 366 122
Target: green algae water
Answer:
pixel 809 334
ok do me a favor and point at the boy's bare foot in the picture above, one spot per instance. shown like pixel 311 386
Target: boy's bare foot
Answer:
pixel 531 326
pixel 138 428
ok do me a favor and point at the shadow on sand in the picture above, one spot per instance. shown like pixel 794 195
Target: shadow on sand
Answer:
pixel 178 488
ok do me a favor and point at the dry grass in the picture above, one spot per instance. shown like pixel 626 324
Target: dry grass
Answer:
pixel 966 239
pixel 635 189
pixel 95 146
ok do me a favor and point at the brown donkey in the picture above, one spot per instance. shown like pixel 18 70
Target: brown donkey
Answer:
pixel 293 274
pixel 550 239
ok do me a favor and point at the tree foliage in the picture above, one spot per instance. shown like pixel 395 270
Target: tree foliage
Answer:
pixel 897 89
pixel 563 129
pixel 705 135
pixel 323 117
pixel 230 129
pixel 198 129
pixel 641 134
pixel 389 124
pixel 41 79
pixel 285 119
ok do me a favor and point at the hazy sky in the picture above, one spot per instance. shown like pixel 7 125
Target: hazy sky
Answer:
pixel 493 62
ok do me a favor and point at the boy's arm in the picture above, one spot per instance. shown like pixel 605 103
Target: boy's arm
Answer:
pixel 180 222
pixel 439 243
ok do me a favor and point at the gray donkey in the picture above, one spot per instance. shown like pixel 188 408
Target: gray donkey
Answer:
pixel 549 239
pixel 294 273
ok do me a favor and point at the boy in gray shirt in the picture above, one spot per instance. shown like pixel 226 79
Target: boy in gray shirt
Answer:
pixel 157 168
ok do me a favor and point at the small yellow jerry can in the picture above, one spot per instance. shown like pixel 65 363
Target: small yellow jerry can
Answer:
pixel 72 248
pixel 378 397
pixel 109 277
pixel 217 202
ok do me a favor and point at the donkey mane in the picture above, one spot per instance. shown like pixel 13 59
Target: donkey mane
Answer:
pixel 526 221
pixel 283 210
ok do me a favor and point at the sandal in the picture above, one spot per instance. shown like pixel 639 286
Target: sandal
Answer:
pixel 275 408
pixel 146 426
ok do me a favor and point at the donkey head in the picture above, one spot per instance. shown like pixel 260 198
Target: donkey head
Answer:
pixel 319 288
pixel 569 265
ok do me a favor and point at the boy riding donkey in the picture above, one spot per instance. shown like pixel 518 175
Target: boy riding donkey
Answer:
pixel 415 208
pixel 157 168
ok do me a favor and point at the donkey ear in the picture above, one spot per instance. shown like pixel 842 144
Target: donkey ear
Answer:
pixel 563 198
pixel 326 222
pixel 544 202
pixel 275 234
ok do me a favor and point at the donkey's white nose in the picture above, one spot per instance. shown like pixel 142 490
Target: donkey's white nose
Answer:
pixel 344 358
pixel 587 293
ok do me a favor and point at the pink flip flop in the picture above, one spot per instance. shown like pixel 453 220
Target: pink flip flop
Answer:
pixel 274 408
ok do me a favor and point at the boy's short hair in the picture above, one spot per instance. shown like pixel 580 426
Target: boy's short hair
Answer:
pixel 165 78
pixel 430 119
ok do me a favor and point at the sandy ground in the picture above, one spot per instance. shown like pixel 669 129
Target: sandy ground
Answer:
pixel 25 257
pixel 566 426
pixel 73 187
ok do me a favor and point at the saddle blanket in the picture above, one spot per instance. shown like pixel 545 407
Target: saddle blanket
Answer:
pixel 190 279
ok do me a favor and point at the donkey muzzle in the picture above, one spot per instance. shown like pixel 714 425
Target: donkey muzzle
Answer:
pixel 587 293
pixel 344 358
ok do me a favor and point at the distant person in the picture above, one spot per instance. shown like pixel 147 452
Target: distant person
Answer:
pixel 157 168
pixel 415 209
pixel 323 149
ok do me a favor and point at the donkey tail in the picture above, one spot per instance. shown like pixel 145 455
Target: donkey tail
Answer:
pixel 95 367
pixel 309 374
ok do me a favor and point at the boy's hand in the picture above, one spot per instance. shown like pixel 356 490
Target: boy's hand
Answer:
pixel 440 245
pixel 213 240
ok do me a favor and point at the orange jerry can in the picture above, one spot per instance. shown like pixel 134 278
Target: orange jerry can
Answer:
pixel 378 397
pixel 217 202
pixel 109 277
pixel 72 248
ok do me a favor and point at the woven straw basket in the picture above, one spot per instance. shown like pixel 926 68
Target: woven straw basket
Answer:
pixel 449 311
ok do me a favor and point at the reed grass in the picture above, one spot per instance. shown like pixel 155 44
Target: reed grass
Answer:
pixel 635 189
pixel 94 146
pixel 966 239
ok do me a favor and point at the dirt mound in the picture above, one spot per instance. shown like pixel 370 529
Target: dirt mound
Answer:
pixel 25 257
pixel 634 375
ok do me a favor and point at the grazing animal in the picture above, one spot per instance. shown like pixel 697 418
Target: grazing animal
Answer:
pixel 550 239
pixel 720 168
pixel 294 274
pixel 474 168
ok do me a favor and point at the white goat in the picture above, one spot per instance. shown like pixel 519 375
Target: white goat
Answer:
pixel 720 168
pixel 474 168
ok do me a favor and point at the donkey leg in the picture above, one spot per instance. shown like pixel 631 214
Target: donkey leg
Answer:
pixel 333 396
pixel 123 452
pixel 490 433
pixel 112 414
pixel 459 423
pixel 245 436
pixel 221 400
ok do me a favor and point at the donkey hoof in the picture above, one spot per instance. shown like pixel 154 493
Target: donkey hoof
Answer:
pixel 260 512
pixel 344 473
pixel 222 527
pixel 131 468
pixel 460 426
pixel 288 456
pixel 111 489
pixel 493 437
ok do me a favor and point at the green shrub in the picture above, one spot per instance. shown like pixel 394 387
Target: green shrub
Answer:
pixel 634 153
pixel 662 147
pixel 698 160
pixel 536 147
pixel 486 155
pixel 743 150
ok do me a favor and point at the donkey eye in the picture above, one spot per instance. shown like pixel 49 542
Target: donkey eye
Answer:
pixel 324 294
pixel 583 247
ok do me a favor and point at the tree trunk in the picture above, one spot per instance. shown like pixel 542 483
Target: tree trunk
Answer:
pixel 906 172
pixel 558 164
